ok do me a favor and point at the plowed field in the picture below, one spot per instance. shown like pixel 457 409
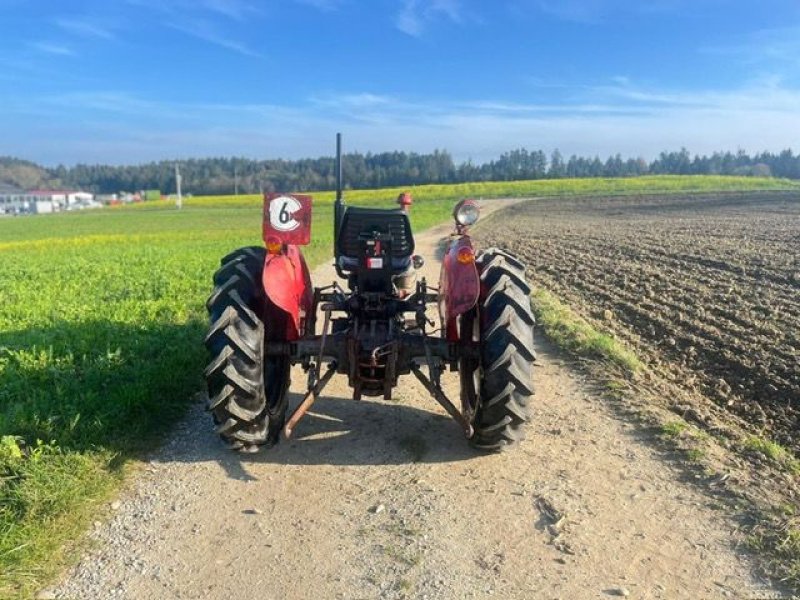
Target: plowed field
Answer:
pixel 705 287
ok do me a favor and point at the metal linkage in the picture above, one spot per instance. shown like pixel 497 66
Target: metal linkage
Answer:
pixel 308 400
pixel 439 396
pixel 316 369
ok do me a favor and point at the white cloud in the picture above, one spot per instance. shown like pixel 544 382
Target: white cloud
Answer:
pixel 619 117
pixel 53 48
pixel 346 102
pixel 232 9
pixel 207 31
pixel 416 15
pixel 85 28
pixel 609 119
pixel 201 20
pixel 778 47
pixel 103 100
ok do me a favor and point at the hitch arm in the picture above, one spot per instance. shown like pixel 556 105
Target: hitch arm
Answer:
pixel 439 396
pixel 308 400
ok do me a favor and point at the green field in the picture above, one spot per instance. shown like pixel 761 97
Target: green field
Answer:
pixel 101 324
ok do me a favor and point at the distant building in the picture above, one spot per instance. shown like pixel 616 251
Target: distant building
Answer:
pixel 18 202
pixel 66 199
pixel 14 201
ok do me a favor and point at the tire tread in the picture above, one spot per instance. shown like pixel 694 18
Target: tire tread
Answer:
pixel 507 353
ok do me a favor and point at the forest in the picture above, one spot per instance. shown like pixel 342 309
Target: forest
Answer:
pixel 231 175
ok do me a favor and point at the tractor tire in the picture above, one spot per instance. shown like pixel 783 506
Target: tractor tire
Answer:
pixel 246 389
pixel 505 332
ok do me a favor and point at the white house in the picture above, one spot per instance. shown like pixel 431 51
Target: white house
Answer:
pixel 18 202
pixel 66 199
pixel 14 201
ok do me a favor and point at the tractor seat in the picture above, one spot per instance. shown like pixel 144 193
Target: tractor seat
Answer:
pixel 357 221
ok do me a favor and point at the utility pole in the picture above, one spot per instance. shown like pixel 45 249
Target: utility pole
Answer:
pixel 179 199
pixel 236 179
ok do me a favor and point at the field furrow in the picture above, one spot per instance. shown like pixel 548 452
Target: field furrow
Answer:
pixel 706 287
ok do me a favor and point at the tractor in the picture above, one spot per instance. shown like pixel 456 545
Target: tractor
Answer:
pixel 264 315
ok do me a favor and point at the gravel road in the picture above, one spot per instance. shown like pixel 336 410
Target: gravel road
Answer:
pixel 377 499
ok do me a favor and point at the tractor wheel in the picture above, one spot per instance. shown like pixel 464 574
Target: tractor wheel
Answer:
pixel 503 381
pixel 246 389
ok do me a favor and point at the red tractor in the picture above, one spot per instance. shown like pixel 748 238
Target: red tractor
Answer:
pixel 264 313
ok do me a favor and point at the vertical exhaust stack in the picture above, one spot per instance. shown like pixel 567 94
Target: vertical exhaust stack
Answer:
pixel 338 206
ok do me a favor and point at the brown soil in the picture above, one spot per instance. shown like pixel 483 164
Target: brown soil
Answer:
pixel 707 288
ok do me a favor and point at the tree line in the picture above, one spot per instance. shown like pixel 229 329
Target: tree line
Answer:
pixel 387 169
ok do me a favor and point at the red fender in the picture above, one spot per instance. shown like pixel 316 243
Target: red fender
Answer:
pixel 459 283
pixel 287 283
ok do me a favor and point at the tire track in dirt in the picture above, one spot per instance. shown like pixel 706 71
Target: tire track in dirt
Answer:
pixel 385 499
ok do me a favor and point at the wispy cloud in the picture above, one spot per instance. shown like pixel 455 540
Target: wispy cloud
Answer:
pixel 201 20
pixel 102 100
pixel 416 15
pixel 764 94
pixel 356 101
pixel 207 31
pixel 124 102
pixel 232 9
pixel 778 46
pixel 85 28
pixel 619 116
pixel 53 48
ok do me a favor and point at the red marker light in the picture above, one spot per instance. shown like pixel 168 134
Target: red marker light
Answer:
pixel 274 245
pixel 465 256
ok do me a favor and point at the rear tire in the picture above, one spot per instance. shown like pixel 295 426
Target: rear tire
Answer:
pixel 504 377
pixel 246 389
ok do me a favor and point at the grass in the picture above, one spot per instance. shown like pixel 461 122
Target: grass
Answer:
pixel 773 451
pixel 101 322
pixel 673 429
pixel 694 454
pixel 568 330
pixel 780 545
pixel 102 318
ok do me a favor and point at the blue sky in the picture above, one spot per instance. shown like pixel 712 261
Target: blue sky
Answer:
pixel 128 81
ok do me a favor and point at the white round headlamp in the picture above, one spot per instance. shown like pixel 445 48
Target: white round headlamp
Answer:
pixel 467 212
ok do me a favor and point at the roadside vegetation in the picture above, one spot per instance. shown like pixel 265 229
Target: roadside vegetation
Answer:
pixel 571 332
pixel 101 322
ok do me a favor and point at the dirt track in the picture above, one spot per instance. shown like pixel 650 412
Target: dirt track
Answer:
pixel 385 499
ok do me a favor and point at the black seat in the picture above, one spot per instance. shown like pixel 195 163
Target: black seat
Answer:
pixel 357 221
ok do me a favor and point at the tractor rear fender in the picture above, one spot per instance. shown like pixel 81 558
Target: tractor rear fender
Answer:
pixel 459 283
pixel 287 284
